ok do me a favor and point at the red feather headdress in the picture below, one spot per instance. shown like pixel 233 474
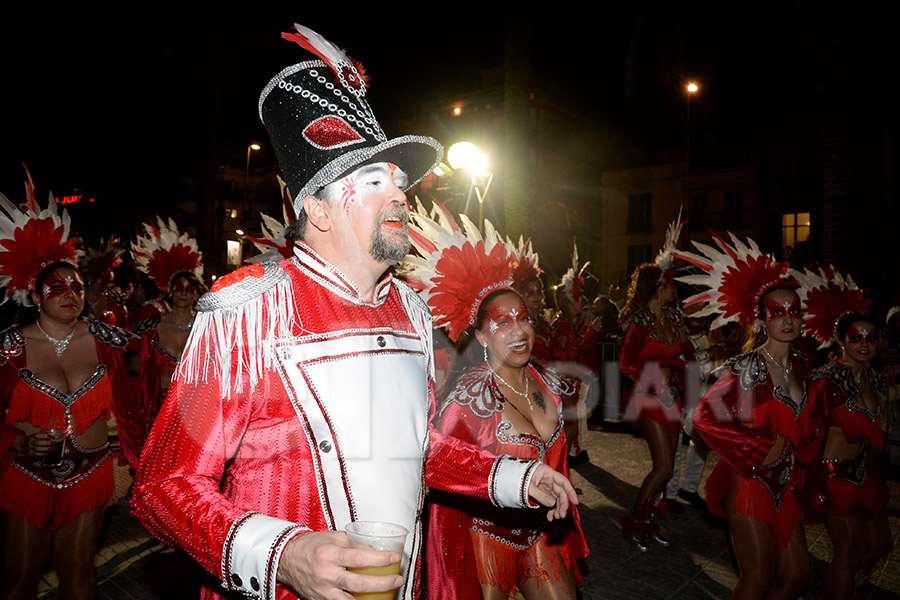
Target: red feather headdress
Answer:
pixel 162 252
pixel 526 261
pixel 828 296
pixel 737 277
pixel 31 239
pixel 572 280
pixel 106 257
pixel 458 267
pixel 273 246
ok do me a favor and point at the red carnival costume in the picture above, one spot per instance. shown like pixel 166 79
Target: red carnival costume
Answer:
pixel 739 418
pixel 471 540
pixel 856 486
pixel 299 405
pixel 50 497
pixel 742 414
pixel 162 253
pixel 644 354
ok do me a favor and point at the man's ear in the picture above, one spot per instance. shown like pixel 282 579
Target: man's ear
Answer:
pixel 317 213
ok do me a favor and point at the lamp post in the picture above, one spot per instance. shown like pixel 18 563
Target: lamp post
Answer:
pixel 691 89
pixel 467 156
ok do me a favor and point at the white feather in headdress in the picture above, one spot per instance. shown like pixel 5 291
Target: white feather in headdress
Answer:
pixel 665 260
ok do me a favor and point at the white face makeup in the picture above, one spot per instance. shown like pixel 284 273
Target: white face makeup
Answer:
pixel 371 207
pixel 508 332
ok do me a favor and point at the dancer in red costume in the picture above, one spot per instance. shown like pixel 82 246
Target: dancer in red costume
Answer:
pixel 505 405
pixel 654 355
pixel 754 417
pixel 104 301
pixel 302 401
pixel 172 260
pixel 59 373
pixel 848 398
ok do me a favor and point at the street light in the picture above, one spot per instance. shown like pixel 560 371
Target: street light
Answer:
pixel 691 89
pixel 466 156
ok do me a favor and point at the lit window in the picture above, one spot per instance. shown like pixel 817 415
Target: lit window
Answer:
pixel 794 234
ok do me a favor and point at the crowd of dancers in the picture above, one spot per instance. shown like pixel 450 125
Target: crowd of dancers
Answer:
pixel 768 366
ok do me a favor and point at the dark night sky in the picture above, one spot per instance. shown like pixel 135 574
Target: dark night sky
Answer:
pixel 115 105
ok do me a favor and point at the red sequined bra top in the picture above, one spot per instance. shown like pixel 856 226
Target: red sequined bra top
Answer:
pixel 27 399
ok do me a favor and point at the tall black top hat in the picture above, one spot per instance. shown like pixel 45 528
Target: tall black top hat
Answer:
pixel 322 127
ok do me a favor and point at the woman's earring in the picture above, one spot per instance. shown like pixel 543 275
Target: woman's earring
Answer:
pixel 485 352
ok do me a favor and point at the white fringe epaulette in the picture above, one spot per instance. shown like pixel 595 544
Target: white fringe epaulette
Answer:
pixel 420 315
pixel 243 319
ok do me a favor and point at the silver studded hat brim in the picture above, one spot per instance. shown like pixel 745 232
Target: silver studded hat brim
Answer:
pixel 416 155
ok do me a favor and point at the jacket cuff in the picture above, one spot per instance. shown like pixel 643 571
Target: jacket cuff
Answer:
pixel 509 481
pixel 252 550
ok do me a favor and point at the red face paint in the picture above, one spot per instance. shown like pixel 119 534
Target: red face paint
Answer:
pixel 348 193
pixel 60 282
pixel 184 286
pixel 862 332
pixel 777 310
pixel 504 318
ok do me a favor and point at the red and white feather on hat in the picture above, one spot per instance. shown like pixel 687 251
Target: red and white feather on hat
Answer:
pixel 827 297
pixel 458 267
pixel 736 276
pixel 273 246
pixel 31 239
pixel 163 252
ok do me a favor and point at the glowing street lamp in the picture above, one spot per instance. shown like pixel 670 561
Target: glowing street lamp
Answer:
pixel 466 156
pixel 691 88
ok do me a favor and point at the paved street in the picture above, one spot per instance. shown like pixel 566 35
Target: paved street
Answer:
pixel 131 564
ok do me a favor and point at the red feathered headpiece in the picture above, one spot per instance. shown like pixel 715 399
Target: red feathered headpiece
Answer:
pixel 162 252
pixel 827 297
pixel 31 239
pixel 737 277
pixel 526 261
pixel 457 268
pixel 105 258
pixel 572 280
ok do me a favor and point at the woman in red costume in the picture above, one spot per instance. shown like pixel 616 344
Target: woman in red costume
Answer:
pixel 56 373
pixel 850 397
pixel 505 405
pixel 654 355
pixel 173 262
pixel 754 418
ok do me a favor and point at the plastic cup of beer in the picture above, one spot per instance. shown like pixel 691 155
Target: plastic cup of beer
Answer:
pixel 380 536
pixel 57 451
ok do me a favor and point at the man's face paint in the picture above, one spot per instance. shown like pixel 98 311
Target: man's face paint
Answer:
pixel 777 306
pixel 60 282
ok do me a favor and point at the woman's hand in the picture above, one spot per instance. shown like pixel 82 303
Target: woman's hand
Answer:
pixel 34 445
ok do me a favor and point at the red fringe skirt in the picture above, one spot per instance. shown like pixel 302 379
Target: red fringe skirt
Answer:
pixel 49 507
pixel 500 565
pixel 755 501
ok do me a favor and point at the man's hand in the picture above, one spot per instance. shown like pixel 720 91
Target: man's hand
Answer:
pixel 314 566
pixel 552 489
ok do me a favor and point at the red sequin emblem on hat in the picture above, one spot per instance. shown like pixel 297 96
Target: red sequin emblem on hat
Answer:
pixel 330 132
